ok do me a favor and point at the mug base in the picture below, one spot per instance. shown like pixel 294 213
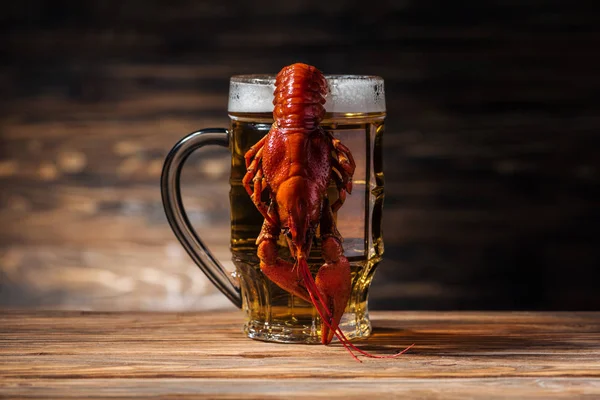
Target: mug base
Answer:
pixel 353 326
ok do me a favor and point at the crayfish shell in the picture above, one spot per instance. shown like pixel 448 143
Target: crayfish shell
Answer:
pixel 299 97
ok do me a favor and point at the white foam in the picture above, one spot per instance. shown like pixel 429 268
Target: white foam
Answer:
pixel 347 94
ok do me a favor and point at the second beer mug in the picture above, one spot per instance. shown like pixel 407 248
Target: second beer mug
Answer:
pixel 355 114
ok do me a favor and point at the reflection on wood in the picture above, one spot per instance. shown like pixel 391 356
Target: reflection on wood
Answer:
pixel 491 162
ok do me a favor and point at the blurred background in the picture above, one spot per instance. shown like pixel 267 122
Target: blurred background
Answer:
pixel 491 148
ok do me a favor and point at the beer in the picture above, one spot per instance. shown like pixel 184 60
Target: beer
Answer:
pixel 355 115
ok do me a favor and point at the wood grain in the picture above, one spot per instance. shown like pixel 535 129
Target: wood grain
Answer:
pixel 492 172
pixel 456 355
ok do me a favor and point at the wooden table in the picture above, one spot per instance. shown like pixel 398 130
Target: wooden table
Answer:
pixel 147 355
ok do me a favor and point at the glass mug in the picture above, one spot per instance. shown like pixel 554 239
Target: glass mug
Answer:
pixel 355 114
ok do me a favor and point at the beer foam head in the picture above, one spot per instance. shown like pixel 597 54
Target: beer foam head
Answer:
pixel 347 94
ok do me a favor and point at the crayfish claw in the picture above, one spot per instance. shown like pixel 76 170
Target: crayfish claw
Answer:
pixel 280 272
pixel 334 284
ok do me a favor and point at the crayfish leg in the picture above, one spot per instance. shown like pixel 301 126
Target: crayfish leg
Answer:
pixel 253 151
pixel 343 166
pixel 277 270
pixel 254 175
pixel 344 155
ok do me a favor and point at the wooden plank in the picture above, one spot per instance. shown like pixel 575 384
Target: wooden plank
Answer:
pixel 478 355
pixel 343 388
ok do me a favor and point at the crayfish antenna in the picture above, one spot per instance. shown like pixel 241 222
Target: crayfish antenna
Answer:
pixel 323 311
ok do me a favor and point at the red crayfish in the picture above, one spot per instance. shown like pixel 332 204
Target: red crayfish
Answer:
pixel 296 161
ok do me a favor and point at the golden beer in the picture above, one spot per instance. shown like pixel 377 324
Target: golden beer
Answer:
pixel 274 314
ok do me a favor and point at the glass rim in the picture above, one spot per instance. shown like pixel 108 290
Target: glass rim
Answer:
pixel 269 79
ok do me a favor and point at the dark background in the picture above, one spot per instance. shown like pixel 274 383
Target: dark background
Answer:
pixel 491 148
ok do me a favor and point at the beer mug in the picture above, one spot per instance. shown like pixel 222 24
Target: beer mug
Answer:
pixel 355 114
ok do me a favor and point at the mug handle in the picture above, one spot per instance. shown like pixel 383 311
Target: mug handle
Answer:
pixel 180 224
